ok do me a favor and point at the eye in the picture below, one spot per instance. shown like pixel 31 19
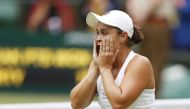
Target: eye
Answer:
pixel 104 33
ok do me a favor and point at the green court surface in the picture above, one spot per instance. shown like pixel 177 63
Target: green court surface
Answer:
pixel 26 97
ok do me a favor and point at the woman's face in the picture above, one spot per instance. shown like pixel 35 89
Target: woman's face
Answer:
pixel 105 31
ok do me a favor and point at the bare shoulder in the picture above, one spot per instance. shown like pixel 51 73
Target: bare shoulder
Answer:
pixel 141 64
pixel 140 70
pixel 140 60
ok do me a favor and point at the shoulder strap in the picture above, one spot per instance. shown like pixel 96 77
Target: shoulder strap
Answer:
pixel 123 68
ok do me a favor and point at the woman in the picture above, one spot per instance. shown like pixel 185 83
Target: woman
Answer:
pixel 121 78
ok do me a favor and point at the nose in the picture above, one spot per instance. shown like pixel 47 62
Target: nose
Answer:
pixel 98 39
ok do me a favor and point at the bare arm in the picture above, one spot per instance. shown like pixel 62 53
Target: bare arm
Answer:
pixel 38 15
pixel 83 93
pixel 137 78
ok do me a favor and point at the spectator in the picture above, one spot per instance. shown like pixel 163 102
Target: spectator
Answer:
pixel 51 15
pixel 97 6
pixel 181 33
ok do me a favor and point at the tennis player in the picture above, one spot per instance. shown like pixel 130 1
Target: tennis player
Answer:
pixel 121 78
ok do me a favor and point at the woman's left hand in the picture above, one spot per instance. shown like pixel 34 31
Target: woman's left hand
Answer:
pixel 107 54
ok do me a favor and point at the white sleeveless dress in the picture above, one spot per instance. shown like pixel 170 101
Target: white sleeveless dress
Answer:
pixel 144 101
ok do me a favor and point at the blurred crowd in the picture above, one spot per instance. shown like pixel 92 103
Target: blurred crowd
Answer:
pixel 58 16
pixel 165 23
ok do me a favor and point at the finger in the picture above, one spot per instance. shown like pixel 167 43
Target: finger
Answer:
pixel 104 45
pixel 94 47
pixel 117 51
pixel 115 54
pixel 111 45
pixel 101 48
pixel 94 41
pixel 107 45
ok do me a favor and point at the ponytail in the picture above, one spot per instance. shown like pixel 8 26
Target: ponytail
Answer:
pixel 137 36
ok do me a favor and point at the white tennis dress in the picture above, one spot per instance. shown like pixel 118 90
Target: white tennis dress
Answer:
pixel 144 101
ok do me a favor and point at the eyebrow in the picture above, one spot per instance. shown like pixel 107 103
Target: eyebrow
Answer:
pixel 102 29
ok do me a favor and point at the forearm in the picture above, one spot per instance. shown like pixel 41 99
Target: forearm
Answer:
pixel 84 92
pixel 38 15
pixel 112 91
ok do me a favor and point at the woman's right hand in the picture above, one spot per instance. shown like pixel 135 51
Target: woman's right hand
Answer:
pixel 95 55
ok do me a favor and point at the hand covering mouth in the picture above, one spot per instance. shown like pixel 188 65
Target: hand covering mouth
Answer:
pixel 97 49
pixel 98 43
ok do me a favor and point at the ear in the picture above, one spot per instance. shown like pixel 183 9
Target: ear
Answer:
pixel 124 37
